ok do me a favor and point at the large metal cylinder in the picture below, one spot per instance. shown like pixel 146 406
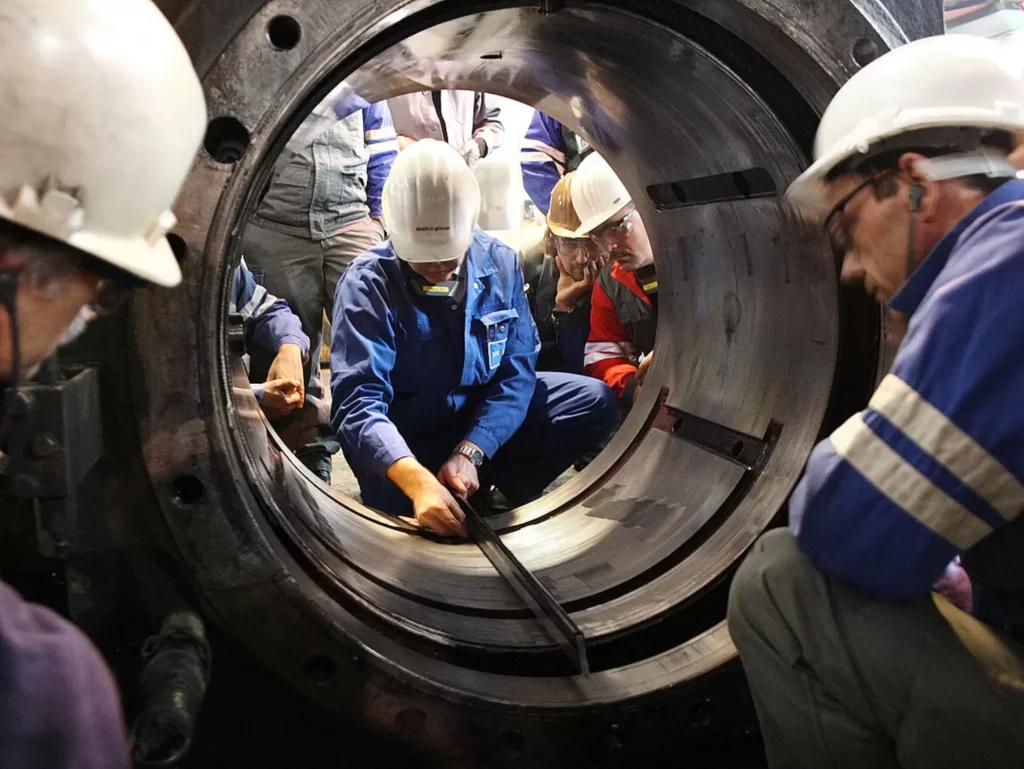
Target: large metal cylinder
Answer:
pixel 707 109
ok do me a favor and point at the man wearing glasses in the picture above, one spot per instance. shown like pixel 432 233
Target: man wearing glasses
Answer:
pixel 624 304
pixel 560 272
pixel 852 659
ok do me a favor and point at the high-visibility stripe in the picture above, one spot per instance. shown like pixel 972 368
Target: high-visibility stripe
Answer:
pixel 381 147
pixel 257 297
pixel 546 149
pixel 379 134
pixel 598 351
pixel 965 458
pixel 906 486
pixel 539 157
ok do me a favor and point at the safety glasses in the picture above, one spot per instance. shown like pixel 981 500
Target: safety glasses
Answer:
pixel 838 231
pixel 611 232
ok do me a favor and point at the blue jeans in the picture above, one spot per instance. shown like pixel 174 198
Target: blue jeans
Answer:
pixel 568 417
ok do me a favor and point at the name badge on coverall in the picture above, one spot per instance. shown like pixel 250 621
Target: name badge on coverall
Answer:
pixel 497 325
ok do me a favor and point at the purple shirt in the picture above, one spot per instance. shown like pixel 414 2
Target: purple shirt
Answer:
pixel 59 705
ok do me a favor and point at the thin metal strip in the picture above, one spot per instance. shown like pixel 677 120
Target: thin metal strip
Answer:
pixel 550 614
pixel 746 450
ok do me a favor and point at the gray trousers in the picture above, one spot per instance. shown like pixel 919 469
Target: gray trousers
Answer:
pixel 305 273
pixel 843 679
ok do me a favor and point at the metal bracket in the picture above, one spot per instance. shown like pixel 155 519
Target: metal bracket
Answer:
pixel 55 439
pixel 549 613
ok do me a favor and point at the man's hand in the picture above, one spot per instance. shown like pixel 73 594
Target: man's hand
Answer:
pixel 470 152
pixel 281 397
pixel 460 475
pixel 569 288
pixel 404 141
pixel 288 365
pixel 433 505
pixel 641 371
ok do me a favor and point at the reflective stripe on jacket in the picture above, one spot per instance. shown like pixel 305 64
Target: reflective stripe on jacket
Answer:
pixel 934 466
pixel 622 325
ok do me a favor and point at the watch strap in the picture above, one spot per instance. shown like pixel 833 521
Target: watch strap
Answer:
pixel 476 456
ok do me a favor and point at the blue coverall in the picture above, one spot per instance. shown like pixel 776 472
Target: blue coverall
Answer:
pixel 268 321
pixel 412 375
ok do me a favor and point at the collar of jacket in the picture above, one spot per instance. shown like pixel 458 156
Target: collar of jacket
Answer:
pixel 480 254
pixel 909 298
pixel 630 281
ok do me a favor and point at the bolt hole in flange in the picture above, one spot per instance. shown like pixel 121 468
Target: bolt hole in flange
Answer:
pixel 284 33
pixel 226 139
pixel 187 490
pixel 865 51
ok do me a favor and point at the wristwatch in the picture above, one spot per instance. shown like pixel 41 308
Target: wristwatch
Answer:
pixel 476 456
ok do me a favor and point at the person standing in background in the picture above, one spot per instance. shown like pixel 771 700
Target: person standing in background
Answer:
pixel 321 210
pixel 549 151
pixel 465 120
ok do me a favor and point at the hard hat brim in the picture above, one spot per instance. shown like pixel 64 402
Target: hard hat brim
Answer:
pixel 806 192
pixel 561 232
pixel 595 221
pixel 152 263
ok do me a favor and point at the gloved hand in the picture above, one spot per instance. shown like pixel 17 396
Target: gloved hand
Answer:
pixel 470 152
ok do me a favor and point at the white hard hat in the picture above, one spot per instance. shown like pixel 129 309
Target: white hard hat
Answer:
pixel 597 193
pixel 103 114
pixel 431 203
pixel 949 81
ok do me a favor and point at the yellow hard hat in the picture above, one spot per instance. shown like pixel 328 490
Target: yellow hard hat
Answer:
pixel 562 218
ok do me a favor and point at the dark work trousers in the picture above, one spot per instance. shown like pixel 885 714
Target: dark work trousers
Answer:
pixel 842 679
pixel 305 273
pixel 567 417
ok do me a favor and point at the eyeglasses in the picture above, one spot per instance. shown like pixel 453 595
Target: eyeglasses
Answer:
pixel 841 235
pixel 570 246
pixel 612 231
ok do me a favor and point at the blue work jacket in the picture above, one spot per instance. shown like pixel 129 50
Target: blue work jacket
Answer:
pixel 404 364
pixel 934 466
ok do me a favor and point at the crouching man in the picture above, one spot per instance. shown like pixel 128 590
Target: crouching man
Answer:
pixel 433 360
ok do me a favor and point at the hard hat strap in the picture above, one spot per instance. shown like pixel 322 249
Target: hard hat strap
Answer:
pixel 981 162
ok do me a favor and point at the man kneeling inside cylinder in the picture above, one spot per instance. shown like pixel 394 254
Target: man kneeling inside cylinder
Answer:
pixel 433 360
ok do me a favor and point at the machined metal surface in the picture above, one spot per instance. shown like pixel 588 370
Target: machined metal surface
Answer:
pixel 754 340
pixel 548 612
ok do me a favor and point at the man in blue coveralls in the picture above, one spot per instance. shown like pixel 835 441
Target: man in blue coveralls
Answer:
pixel 853 661
pixel 433 359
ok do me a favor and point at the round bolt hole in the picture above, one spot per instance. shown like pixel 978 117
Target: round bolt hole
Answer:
pixel 283 33
pixel 865 51
pixel 700 713
pixel 187 489
pixel 318 669
pixel 411 721
pixel 737 449
pixel 513 741
pixel 178 247
pixel 226 139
